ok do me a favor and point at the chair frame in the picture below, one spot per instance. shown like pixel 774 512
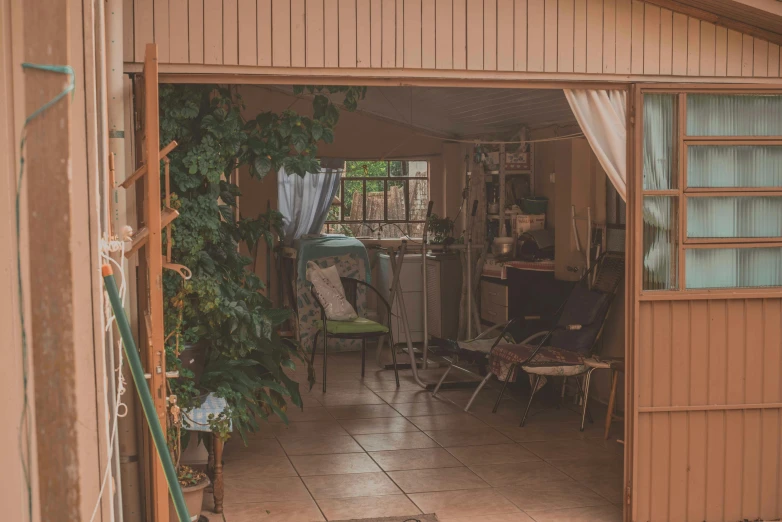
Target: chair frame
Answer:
pixel 351 285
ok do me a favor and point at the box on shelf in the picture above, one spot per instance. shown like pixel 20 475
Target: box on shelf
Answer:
pixel 526 222
pixel 517 161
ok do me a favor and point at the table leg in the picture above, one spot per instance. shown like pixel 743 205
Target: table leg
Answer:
pixel 217 450
pixel 611 402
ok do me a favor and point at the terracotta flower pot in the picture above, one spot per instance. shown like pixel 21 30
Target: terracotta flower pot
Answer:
pixel 194 498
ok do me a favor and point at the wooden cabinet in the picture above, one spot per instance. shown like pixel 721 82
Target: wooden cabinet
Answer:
pixel 494 302
pixel 444 294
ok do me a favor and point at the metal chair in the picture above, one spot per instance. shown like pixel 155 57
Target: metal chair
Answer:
pixel 361 328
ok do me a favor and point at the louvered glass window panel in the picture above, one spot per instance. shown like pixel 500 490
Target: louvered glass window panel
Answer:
pixel 734 115
pixel 734 216
pixel 659 141
pixel 660 243
pixel 744 166
pixel 733 267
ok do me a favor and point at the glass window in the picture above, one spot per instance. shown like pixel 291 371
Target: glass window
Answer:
pixel 659 142
pixel 660 237
pixel 734 216
pixel 734 115
pixel 733 267
pixel 743 166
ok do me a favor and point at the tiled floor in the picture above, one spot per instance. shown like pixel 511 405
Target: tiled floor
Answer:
pixel 365 449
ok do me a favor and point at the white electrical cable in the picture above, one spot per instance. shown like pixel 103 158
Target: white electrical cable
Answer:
pixel 107 247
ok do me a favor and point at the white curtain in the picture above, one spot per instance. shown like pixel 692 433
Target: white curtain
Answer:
pixel 601 114
pixel 602 117
pixel 304 201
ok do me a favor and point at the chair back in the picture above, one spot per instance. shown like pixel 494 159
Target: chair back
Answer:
pixel 350 285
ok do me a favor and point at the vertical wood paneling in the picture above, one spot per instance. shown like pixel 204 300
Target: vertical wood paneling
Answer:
pixel 505 41
pixel 693 46
pixel 376 33
pixel 565 36
pixel 747 48
pixel 680 394
pixel 298 34
pixel 773 60
pixel 536 20
pixel 609 36
pixel 594 45
pixel 550 35
pixel 652 33
pixel 331 33
pixel 162 34
pixel 281 33
pixel 637 52
pixel 520 35
pixel 264 32
pixel 772 359
pixel 679 44
pixel 623 36
pixel 579 36
pixel 428 33
pixel 459 34
pixel 388 53
pixel 753 393
pixel 666 41
pixel 400 33
pixel 760 57
pixel 347 34
pixel 128 51
pixel 363 34
pixel 230 32
pixel 213 31
pixel 721 51
pixel 315 42
pixel 734 53
pixel 490 35
pixel 475 34
pixel 178 52
pixel 196 31
pixel 734 436
pixel 708 49
pixel 444 30
pixel 412 21
pixel 248 41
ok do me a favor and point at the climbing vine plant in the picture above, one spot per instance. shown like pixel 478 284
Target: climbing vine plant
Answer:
pixel 223 304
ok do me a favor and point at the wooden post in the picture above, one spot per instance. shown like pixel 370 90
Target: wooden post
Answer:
pixel 51 334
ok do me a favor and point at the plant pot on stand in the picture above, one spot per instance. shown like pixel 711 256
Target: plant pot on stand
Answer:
pixel 194 499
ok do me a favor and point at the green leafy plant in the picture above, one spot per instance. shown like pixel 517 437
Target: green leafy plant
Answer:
pixel 223 304
pixel 440 229
pixel 188 476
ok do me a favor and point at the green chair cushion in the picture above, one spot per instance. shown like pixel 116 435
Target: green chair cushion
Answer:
pixel 357 326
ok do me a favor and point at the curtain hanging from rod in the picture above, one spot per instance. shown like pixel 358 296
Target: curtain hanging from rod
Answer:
pixel 304 201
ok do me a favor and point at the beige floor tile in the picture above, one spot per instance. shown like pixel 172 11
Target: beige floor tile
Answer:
pixel 320 445
pixel 610 487
pixel 329 428
pixel 428 458
pixel 377 425
pixel 271 511
pixel 362 411
pixel 426 408
pixel 264 489
pixel 492 454
pixel 551 495
pixel 235 449
pixel 308 414
pixel 258 467
pixel 353 485
pixel 469 437
pixel 592 468
pixel 388 386
pixel 349 398
pixel 395 441
pixel 504 517
pixel 561 449
pixel 367 507
pixel 515 474
pixel 337 464
pixel 455 421
pixel 582 514
pixel 544 431
pixel 407 396
pixel 442 479
pixel 481 502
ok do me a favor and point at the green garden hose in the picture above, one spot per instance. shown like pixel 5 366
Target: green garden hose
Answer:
pixel 143 391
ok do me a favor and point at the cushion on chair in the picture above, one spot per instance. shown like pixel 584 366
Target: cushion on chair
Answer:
pixel 357 326
pixel 506 355
pixel 585 307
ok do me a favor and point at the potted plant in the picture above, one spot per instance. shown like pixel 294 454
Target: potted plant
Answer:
pixel 441 230
pixel 193 484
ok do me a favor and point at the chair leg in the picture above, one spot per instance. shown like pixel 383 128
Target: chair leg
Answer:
pixel 477 390
pixel 587 379
pixel 529 404
pixel 314 347
pixel 325 358
pixel 363 356
pixel 611 403
pixel 502 391
pixel 442 380
pixel 393 358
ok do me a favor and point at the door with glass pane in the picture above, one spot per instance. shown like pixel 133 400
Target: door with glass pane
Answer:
pixel 707 288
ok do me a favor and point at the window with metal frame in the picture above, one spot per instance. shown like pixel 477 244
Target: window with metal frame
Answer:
pixel 381 199
pixel 711 190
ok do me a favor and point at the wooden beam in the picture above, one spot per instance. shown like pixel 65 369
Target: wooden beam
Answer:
pixel 48 183
pixel 143 169
pixel 141 237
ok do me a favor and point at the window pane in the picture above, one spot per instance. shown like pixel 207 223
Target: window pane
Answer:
pixel 659 141
pixel 734 166
pixel 354 200
pixel 362 169
pixel 734 267
pixel 396 201
pixel 376 193
pixel 417 169
pixel 734 115
pixel 734 217
pixel 660 243
pixel 418 195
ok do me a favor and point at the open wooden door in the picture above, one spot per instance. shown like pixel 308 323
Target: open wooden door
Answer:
pixel 705 306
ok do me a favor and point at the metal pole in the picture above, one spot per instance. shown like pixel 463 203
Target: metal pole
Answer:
pixel 424 284
pixel 469 267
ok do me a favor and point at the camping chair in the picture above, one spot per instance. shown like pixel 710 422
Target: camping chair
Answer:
pixel 361 328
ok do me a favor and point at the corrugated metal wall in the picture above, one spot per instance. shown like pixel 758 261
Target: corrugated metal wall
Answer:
pixel 708 396
pixel 563 36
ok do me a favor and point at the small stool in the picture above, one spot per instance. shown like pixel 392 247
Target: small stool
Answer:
pixel 616 366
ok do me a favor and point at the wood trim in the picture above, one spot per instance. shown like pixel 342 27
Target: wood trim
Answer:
pixel 713 294
pixel 710 407
pixel 719 20
pixel 695 141
pixel 727 243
